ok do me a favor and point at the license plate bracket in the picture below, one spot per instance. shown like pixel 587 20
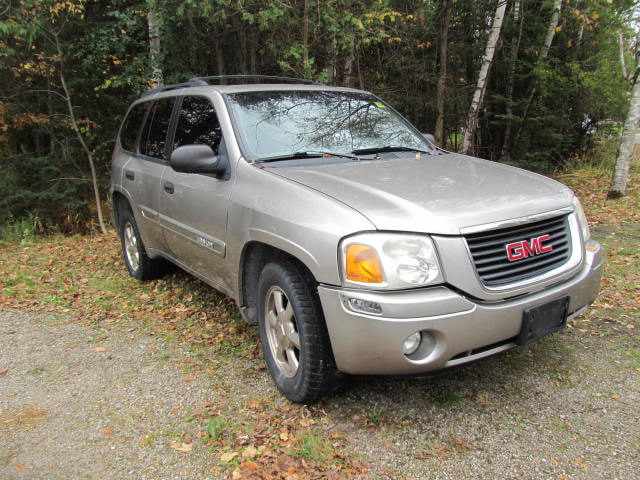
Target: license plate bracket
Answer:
pixel 543 320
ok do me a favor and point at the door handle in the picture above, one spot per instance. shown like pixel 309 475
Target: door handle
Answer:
pixel 129 174
pixel 168 187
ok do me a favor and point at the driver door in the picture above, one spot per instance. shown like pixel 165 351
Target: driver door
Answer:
pixel 193 206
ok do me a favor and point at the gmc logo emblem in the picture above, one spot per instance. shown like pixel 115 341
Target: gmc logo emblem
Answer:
pixel 528 248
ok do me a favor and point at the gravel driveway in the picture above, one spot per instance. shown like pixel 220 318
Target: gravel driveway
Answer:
pixel 77 402
pixel 73 405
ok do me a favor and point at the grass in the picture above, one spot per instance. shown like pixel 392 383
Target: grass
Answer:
pixel 447 398
pixel 314 448
pixel 215 427
pixel 22 230
pixel 375 415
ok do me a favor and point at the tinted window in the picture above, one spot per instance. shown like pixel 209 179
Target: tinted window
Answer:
pixel 156 127
pixel 197 124
pixel 131 127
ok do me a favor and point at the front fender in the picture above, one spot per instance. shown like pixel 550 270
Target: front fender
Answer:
pixel 291 217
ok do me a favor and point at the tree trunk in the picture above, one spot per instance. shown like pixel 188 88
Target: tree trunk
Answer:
pixel 154 21
pixel 242 50
pixel 219 56
pixel 253 53
pixel 551 32
pixel 623 65
pixel 348 64
pixel 505 155
pixel 580 35
pixel 74 124
pixel 305 37
pixel 487 60
pixel 630 138
pixel 442 79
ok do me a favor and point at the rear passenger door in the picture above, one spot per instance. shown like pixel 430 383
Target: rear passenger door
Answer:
pixel 143 173
pixel 194 206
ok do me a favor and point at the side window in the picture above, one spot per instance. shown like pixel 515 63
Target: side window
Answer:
pixel 197 124
pixel 131 127
pixel 154 136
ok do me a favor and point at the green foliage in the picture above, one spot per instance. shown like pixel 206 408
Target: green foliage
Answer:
pixel 22 230
pixel 313 447
pixel 216 426
pixel 385 46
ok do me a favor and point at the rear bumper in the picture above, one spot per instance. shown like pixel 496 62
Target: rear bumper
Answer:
pixel 464 330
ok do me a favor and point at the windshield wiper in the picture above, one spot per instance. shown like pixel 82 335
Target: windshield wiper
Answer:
pixel 306 154
pixel 387 148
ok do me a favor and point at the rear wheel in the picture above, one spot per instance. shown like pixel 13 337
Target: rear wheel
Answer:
pixel 295 343
pixel 139 264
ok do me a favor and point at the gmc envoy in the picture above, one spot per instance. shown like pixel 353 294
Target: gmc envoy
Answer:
pixel 352 241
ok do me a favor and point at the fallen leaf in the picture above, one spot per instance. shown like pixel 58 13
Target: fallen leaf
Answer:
pixel 3 371
pixel 249 452
pixel 236 474
pixel 107 432
pixel 249 465
pixel 306 422
pixel 228 456
pixel 100 349
pixel 20 467
pixel 284 436
pixel 182 447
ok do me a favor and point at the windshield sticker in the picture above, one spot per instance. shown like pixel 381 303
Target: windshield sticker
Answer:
pixel 379 104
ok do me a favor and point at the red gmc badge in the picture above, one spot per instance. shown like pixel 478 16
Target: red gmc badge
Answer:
pixel 528 248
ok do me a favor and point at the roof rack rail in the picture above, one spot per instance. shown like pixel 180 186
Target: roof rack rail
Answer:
pixel 228 80
pixel 240 79
pixel 194 82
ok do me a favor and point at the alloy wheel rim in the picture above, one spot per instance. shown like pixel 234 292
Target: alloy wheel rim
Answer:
pixel 282 332
pixel 131 246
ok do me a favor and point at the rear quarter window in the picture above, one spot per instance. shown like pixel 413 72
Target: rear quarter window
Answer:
pixel 131 127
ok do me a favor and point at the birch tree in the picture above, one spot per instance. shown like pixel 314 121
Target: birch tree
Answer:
pixel 441 93
pixel 76 129
pixel 481 87
pixel 623 65
pixel 515 47
pixel 630 138
pixel 154 22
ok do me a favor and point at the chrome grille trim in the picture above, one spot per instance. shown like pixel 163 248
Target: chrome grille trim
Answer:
pixel 488 251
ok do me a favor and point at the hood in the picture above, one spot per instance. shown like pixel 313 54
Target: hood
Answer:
pixel 438 194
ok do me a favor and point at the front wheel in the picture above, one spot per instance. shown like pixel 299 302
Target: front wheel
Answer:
pixel 295 343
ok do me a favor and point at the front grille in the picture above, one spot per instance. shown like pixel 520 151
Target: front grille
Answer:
pixel 489 253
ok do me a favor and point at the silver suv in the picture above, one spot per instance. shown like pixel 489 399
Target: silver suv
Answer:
pixel 354 243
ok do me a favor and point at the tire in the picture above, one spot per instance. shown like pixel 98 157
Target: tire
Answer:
pixel 315 374
pixel 135 257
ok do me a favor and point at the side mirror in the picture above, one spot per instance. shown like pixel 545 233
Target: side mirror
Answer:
pixel 195 159
pixel 429 137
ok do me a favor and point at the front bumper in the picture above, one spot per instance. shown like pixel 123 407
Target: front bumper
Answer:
pixel 464 329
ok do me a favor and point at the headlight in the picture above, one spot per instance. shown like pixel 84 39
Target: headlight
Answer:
pixel 582 219
pixel 389 261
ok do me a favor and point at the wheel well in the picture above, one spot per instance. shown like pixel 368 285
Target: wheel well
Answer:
pixel 255 256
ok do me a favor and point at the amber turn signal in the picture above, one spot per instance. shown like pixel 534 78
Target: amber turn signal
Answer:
pixel 363 264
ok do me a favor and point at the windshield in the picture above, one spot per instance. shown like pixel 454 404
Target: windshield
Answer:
pixel 284 123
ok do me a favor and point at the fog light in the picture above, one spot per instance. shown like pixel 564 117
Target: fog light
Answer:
pixel 411 343
pixel 363 306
